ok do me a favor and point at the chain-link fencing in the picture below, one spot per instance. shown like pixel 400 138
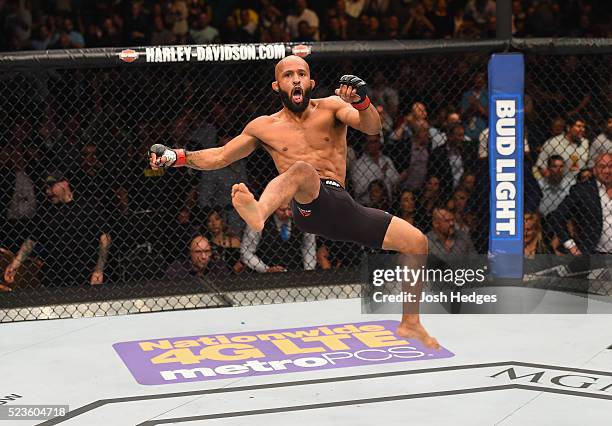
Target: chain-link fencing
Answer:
pixel 85 221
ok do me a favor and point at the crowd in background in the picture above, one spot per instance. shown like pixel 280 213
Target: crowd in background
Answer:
pixel 74 157
pixel 63 24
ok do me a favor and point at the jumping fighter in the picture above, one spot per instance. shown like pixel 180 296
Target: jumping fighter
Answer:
pixel 307 141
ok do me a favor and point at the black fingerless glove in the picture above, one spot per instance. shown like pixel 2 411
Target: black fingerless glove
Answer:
pixel 175 157
pixel 361 87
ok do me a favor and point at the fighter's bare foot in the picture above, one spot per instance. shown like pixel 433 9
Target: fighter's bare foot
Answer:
pixel 417 331
pixel 246 206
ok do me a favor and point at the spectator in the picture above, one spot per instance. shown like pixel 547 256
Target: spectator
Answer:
pixel 76 38
pixel 370 166
pixel 451 160
pixel 427 199
pixel 42 39
pixel 362 30
pixel 94 36
pixel 571 146
pixel 275 34
pixel 68 231
pixel 354 8
pixel 407 207
pixel 442 20
pixel 439 135
pixel 302 13
pixel 137 26
pixel 474 107
pixel 378 197
pixel 249 25
pixel 468 183
pixel 519 19
pixel 391 28
pixel 161 35
pixel 304 33
pixel 543 19
pixel 445 241
pixel 17 200
pixel 201 263
pixel 269 15
pixel 373 30
pixel 203 33
pixel 589 205
pixel 555 186
pixel 197 7
pixel 383 94
pixel 111 34
pixel 584 175
pixel 557 127
pixel 480 10
pixel 18 23
pixel 232 34
pixel 180 13
pixel 224 245
pixel 335 30
pixel 413 156
pixel 457 205
pixel 601 144
pixel 533 240
pixel 280 246
pixel 92 177
pixel 418 26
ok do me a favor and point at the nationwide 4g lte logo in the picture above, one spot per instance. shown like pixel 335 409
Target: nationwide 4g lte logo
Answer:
pixel 222 356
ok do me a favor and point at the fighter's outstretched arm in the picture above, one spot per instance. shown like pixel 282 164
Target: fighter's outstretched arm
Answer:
pixel 206 159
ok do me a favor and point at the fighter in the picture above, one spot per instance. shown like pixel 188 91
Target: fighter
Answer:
pixel 307 142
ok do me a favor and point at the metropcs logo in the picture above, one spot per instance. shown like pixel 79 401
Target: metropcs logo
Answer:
pixel 505 145
pixel 221 356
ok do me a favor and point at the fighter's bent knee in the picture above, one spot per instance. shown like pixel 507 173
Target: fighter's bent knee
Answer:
pixel 303 168
pixel 405 238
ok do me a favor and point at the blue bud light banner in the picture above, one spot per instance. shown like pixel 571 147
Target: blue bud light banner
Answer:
pixel 506 90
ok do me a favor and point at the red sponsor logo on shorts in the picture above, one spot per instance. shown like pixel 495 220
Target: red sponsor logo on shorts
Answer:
pixel 301 50
pixel 304 213
pixel 128 55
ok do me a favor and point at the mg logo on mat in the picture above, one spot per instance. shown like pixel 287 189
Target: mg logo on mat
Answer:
pixel 258 353
pixel 128 55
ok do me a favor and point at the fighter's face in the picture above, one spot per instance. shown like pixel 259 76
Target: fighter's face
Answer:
pixel 293 84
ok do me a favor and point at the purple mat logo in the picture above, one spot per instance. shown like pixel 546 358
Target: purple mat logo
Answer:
pixel 221 356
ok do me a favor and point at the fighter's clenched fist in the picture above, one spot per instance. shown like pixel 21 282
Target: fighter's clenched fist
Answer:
pixel 162 156
pixel 354 91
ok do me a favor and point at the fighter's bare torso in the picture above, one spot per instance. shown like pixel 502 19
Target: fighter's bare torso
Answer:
pixel 317 137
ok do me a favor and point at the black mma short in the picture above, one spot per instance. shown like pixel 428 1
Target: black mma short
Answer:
pixel 336 216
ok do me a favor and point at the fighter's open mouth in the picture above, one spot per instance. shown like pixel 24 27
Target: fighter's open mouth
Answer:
pixel 296 95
